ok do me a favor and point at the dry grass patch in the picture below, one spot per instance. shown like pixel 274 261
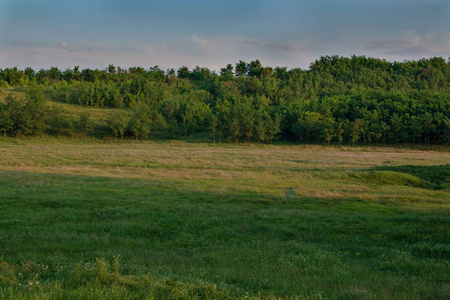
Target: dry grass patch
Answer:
pixel 310 171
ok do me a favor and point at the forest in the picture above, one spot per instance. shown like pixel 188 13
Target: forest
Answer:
pixel 337 100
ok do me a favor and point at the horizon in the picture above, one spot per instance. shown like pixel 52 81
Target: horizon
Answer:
pixel 126 69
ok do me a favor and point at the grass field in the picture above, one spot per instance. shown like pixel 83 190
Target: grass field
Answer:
pixel 182 220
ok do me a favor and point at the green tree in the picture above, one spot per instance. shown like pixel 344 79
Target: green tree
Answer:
pixel 183 72
pixel 35 112
pixel 260 127
pixel 85 123
pixel 213 126
pixel 339 131
pixel 227 72
pixel 7 114
pixel 57 119
pixel 446 130
pixel 255 68
pixel 356 130
pixel 111 69
pixel 307 127
pixel 142 119
pixel 241 68
pixel 274 127
pixel 327 128
pixel 118 123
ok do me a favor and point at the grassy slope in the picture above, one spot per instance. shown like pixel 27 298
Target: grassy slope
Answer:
pixel 71 111
pixel 4 92
pixel 295 220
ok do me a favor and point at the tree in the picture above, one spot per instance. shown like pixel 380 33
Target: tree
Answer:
pixel 274 127
pixel 118 123
pixel 12 75
pixel 307 127
pixel 111 69
pixel 446 129
pixel 29 72
pixel 183 72
pixel 200 74
pixel 136 70
pixel 241 68
pixel 142 119
pixel 255 68
pixel 246 115
pixel 57 119
pixel 6 115
pixel 171 76
pixel 234 129
pixel 85 123
pixel 89 75
pixel 157 74
pixel 260 126
pixel 338 131
pixel 54 74
pixel 35 112
pixel 213 126
pixel 327 126
pixel 356 131
pixel 227 72
pixel 195 116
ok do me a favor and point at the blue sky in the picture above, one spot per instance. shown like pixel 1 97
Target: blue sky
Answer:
pixel 212 33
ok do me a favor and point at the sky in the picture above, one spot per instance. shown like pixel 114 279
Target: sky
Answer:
pixel 213 33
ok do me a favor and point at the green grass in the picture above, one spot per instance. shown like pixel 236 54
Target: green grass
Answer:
pixel 388 178
pixel 72 111
pixel 189 220
pixel 434 177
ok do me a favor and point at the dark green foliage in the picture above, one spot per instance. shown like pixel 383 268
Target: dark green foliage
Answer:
pixel 142 120
pixel 7 113
pixel 338 100
pixel 118 123
pixel 12 76
pixel 57 120
pixel 28 117
pixel 85 123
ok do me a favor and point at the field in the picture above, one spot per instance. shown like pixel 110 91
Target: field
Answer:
pixel 98 219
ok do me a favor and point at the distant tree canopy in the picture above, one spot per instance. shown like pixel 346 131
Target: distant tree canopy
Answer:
pixel 356 100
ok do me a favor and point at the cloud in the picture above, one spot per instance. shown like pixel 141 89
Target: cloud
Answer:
pixel 251 43
pixel 388 45
pixel 419 50
pixel 217 45
pixel 211 52
pixel 411 46
pixel 94 56
pixel 216 52
pixel 280 46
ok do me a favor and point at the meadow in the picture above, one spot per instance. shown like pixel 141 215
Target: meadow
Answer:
pixel 173 219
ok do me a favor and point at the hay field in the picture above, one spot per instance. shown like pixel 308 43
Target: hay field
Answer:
pixel 177 219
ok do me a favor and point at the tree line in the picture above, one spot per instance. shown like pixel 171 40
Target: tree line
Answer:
pixel 356 100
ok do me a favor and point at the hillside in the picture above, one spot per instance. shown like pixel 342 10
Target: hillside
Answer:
pixel 338 100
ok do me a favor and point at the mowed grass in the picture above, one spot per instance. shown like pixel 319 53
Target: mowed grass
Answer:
pixel 191 220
